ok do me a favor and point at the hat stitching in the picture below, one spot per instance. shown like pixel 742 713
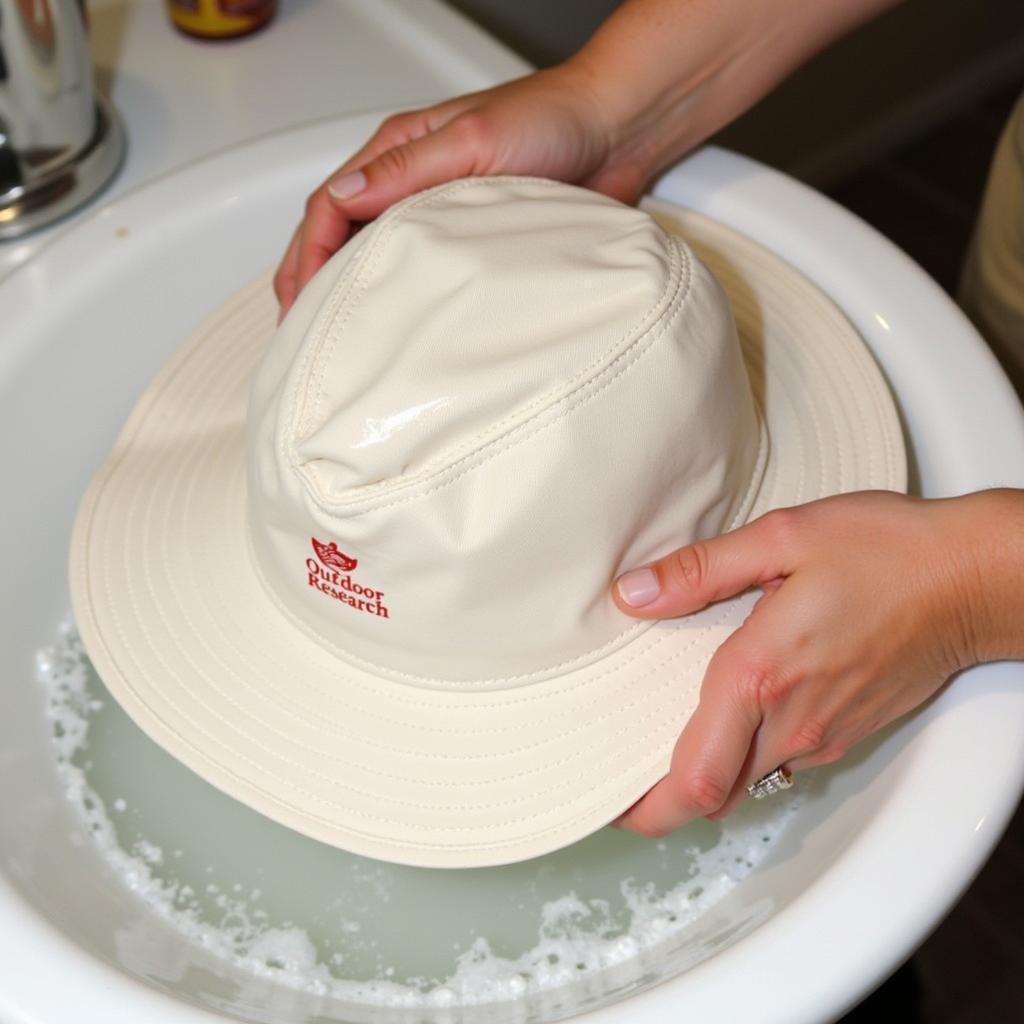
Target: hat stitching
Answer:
pixel 556 411
pixel 351 276
pixel 334 827
pixel 757 476
pixel 269 592
pixel 814 438
pixel 426 704
pixel 197 634
pixel 657 712
pixel 261 769
pixel 552 402
pixel 326 346
pixel 232 726
pixel 753 357
pixel 348 279
pixel 181 360
pixel 385 227
pixel 676 288
pixel 478 454
pixel 453 686
pixel 832 432
pixel 365 261
pixel 300 790
pixel 435 682
pixel 881 411
pixel 847 371
pixel 831 313
pixel 355 275
pixel 700 639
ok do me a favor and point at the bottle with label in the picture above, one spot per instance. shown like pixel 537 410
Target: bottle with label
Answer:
pixel 220 19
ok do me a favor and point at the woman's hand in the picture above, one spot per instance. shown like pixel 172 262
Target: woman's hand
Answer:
pixel 870 602
pixel 551 124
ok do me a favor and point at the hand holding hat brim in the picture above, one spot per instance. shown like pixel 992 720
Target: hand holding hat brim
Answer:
pixel 860 621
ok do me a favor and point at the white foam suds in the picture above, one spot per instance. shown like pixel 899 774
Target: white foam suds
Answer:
pixel 575 937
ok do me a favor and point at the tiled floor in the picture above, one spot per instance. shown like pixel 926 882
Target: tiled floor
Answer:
pixel 971 971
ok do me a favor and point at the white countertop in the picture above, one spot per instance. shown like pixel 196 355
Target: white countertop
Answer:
pixel 181 98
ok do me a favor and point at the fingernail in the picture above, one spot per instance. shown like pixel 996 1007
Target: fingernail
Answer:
pixel 638 587
pixel 345 186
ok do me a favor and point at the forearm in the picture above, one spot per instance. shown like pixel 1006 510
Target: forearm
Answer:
pixel 669 73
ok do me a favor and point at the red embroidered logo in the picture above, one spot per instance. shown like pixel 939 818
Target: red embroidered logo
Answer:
pixel 331 577
pixel 332 557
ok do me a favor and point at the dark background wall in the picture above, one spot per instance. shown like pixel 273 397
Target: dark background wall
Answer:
pixel 886 84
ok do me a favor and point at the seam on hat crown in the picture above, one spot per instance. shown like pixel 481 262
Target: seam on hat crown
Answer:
pixel 483 443
pixel 558 407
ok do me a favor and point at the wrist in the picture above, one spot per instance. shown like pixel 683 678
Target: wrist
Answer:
pixel 992 559
pixel 648 68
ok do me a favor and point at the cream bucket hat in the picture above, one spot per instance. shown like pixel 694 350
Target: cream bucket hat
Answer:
pixel 356 571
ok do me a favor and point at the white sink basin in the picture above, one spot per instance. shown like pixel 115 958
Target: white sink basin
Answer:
pixel 882 845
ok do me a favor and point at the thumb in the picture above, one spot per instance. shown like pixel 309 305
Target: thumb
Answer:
pixel 402 170
pixel 694 576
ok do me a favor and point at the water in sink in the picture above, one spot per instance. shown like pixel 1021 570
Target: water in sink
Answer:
pixel 316 918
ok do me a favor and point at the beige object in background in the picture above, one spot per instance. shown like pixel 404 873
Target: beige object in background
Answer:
pixel 992 285
pixel 356 572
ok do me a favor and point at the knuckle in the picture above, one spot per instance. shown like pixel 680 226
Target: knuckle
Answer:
pixel 702 793
pixel 809 736
pixel 472 129
pixel 783 526
pixel 763 685
pixel 688 567
pixel 395 162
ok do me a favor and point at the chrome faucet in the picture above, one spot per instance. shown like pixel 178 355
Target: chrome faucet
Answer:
pixel 59 142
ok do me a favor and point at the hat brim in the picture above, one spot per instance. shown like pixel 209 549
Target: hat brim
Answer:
pixel 185 637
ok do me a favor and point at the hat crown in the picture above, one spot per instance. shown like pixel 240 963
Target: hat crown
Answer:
pixel 468 311
pixel 496 397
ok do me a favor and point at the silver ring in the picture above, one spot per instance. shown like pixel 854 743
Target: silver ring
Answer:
pixel 773 782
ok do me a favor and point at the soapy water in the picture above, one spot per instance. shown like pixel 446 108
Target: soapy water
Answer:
pixel 307 916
